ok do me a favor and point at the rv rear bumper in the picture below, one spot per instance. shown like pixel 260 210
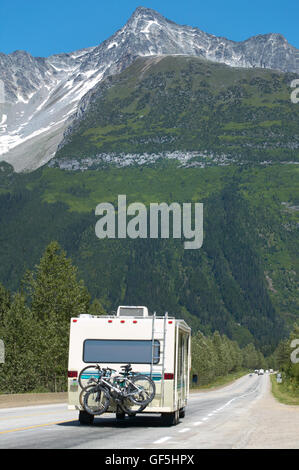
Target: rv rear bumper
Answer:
pixel 155 409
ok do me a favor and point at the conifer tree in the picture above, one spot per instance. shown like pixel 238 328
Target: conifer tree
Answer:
pixel 5 300
pixel 55 296
pixel 54 288
pixel 19 335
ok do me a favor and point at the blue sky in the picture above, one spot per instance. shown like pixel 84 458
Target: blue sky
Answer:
pixel 44 27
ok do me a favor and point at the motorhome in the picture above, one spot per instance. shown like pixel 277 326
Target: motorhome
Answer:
pixel 157 346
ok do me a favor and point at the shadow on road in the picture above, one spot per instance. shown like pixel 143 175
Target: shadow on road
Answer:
pixel 112 422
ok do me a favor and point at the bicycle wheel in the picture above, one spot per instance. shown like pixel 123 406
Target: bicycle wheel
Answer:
pixel 83 392
pixel 141 390
pixel 96 400
pixel 88 375
pixel 130 408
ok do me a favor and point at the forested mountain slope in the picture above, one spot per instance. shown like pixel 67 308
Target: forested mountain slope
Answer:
pixel 242 281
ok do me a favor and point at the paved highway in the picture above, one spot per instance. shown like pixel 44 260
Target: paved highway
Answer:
pixel 214 419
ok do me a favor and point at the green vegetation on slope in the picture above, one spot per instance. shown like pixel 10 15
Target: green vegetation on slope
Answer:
pixel 187 103
pixel 285 392
pixel 242 282
pixel 286 358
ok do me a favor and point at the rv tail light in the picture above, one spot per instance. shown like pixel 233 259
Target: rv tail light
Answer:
pixel 134 321
pixel 168 376
pixel 170 322
pixel 109 321
pixel 74 321
pixel 72 373
pixel 122 321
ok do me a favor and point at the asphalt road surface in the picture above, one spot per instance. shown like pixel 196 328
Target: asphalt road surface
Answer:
pixel 222 418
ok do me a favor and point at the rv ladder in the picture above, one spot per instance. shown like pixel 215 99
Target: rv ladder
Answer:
pixel 162 351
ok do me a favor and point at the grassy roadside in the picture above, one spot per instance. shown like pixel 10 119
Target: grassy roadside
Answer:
pixel 221 381
pixel 284 392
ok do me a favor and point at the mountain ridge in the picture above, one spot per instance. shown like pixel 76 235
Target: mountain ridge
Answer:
pixel 43 94
pixel 186 109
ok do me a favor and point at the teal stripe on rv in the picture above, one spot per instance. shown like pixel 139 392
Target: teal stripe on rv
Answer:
pixel 155 377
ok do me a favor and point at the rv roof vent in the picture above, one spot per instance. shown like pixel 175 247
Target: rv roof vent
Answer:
pixel 85 315
pixel 132 311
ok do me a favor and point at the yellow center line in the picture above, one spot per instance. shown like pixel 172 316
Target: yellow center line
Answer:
pixel 35 426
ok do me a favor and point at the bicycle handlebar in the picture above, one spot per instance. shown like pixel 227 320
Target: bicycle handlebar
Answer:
pixel 106 369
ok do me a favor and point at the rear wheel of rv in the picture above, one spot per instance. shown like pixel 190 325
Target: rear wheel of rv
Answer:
pixel 170 419
pixel 120 414
pixel 85 418
pixel 182 413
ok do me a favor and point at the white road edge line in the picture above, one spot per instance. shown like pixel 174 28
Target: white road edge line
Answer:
pixel 163 439
pixel 236 398
pixel 184 430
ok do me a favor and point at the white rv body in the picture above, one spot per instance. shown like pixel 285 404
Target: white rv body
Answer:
pixel 159 347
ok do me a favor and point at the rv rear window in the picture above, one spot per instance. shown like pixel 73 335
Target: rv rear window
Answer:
pixel 120 351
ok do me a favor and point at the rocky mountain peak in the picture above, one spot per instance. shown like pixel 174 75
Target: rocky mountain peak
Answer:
pixel 143 11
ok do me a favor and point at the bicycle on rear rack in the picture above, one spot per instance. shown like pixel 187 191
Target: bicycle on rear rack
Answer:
pixel 131 391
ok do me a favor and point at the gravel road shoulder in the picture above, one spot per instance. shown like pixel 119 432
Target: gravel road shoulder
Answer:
pixel 30 399
pixel 276 425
